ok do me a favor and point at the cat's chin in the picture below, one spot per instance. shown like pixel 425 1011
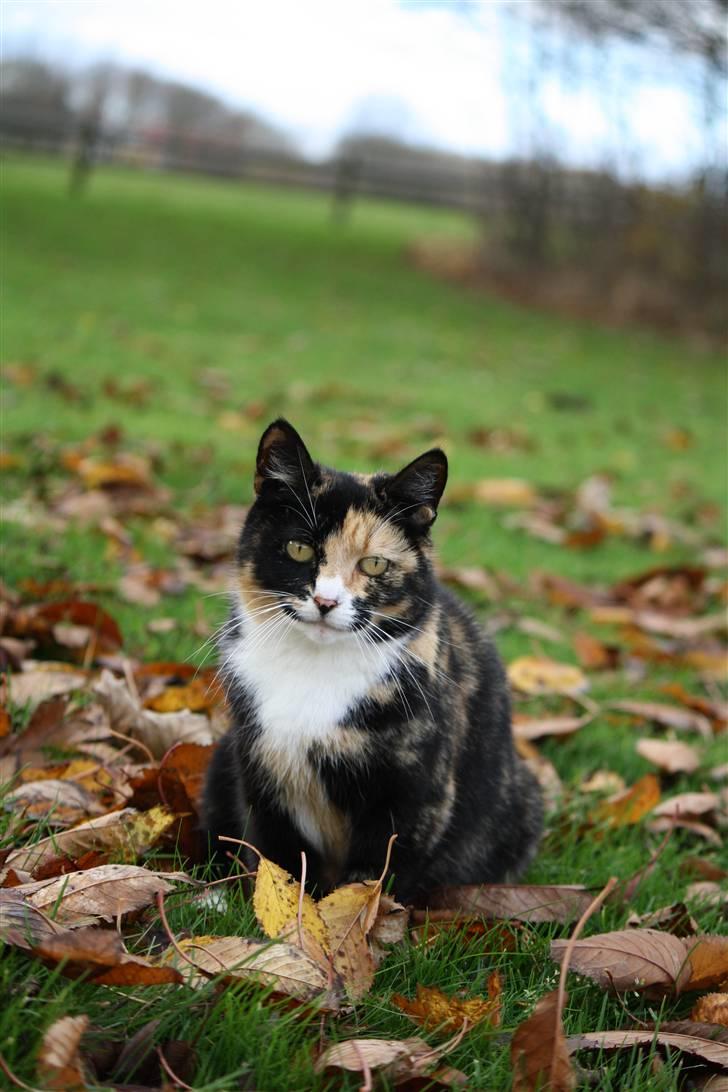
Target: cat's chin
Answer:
pixel 321 634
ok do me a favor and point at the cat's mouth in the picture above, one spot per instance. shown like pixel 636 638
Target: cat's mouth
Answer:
pixel 320 630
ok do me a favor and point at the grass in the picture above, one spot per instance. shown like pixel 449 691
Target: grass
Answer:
pixel 226 299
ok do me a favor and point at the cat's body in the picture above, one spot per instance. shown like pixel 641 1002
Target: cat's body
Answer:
pixel 365 703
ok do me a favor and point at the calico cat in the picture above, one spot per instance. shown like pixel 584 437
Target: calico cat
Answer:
pixel 366 700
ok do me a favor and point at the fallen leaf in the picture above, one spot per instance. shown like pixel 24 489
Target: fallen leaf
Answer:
pixel 711 1009
pixel 670 716
pixel 98 894
pixel 435 1011
pixel 349 913
pixel 630 959
pixel 389 928
pixel 707 893
pixel 281 966
pixel 128 832
pixel 99 955
pixel 673 919
pixel 21 923
pixel 537 675
pixel 499 492
pixel 36 686
pixel 539 1055
pixel 523 902
pixel 630 807
pixel 708 962
pixel 472 578
pixel 56 801
pixel 704 1041
pixel 593 654
pixel 159 731
pixel 672 756
pixel 276 901
pixel 535 727
pixel 396 1059
pixel 688 805
pixel 198 695
pixel 60 1066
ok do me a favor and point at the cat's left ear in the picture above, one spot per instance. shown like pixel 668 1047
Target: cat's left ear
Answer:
pixel 415 492
pixel 282 457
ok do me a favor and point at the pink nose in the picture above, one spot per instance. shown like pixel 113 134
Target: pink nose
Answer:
pixel 325 605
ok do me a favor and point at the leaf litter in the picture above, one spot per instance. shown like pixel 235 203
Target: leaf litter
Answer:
pixel 151 731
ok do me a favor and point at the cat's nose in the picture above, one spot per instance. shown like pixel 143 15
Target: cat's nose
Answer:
pixel 325 605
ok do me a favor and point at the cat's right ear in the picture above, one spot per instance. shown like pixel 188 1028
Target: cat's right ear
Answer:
pixel 282 457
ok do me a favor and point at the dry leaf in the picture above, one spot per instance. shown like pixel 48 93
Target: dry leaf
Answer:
pixel 57 802
pixel 396 1059
pixel 349 913
pixel 21 924
pixel 282 967
pixel 523 902
pixel 688 805
pixel 537 675
pixel 60 1066
pixel 630 959
pixel 389 928
pixel 276 900
pixel 99 955
pixel 159 731
pixel 32 687
pixel 670 716
pixel 434 1010
pixel 629 807
pixel 539 1055
pixel 697 1040
pixel 128 832
pixel 708 962
pixel 98 894
pixel 500 492
pixel 673 919
pixel 711 1009
pixel 535 727
pixel 672 756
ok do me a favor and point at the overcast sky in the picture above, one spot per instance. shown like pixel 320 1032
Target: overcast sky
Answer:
pixel 423 71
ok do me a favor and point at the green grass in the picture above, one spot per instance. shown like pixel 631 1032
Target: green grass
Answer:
pixel 161 279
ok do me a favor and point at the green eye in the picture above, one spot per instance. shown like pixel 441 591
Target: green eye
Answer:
pixel 299 551
pixel 374 566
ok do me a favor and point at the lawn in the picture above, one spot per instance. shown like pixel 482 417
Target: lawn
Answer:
pixel 171 318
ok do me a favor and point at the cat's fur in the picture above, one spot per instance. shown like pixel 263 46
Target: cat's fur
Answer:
pixel 388 714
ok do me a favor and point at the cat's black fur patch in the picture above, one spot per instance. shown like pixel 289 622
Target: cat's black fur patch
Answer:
pixel 428 753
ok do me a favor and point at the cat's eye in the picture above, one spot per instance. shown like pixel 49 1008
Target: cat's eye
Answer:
pixel 299 551
pixel 374 566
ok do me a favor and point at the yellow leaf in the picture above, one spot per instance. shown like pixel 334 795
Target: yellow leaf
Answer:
pixel 629 807
pixel 537 675
pixel 276 902
pixel 434 1010
pixel 349 913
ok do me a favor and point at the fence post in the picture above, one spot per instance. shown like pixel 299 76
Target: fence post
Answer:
pixel 85 153
pixel 346 179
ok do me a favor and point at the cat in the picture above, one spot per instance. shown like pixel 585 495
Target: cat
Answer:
pixel 366 700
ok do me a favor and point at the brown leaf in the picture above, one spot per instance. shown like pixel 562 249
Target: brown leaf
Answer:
pixel 21 924
pixel 99 955
pixel 539 1056
pixel 537 675
pixel 281 966
pixel 198 695
pixel 711 1009
pixel 629 807
pixel 673 919
pixel 396 1059
pixel 630 959
pixel 708 962
pixel 56 801
pixel 703 1041
pixel 128 832
pixel 159 731
pixel 670 716
pixel 389 928
pixel 688 805
pixel 672 756
pixel 33 687
pixel 535 727
pixel 499 492
pixel 349 913
pixel 60 1066
pixel 99 894
pixel 523 902
pixel 593 654
pixel 434 1010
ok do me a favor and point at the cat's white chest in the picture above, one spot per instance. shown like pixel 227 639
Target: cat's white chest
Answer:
pixel 303 691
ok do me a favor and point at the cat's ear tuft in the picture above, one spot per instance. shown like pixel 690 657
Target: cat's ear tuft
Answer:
pixel 282 456
pixel 414 493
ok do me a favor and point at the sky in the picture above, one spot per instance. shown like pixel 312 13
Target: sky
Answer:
pixel 425 72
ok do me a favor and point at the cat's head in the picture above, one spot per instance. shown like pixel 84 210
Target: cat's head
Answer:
pixel 335 552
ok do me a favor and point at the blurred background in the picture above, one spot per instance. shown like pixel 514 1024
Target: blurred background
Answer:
pixel 495 226
pixel 585 137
